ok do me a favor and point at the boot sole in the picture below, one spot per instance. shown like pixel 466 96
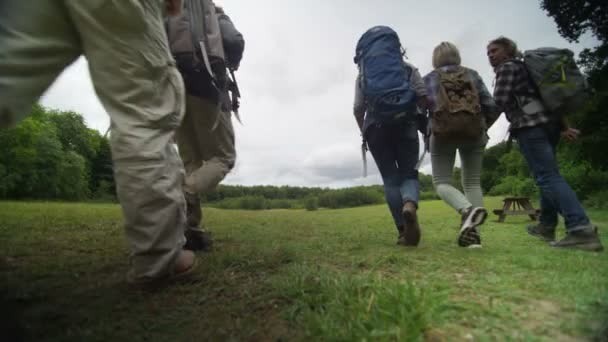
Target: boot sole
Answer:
pixel 544 238
pixel 588 247
pixel 412 230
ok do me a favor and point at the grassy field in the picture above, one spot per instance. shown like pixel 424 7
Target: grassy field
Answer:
pixel 298 276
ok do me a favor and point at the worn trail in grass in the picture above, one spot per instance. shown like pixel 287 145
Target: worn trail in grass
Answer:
pixel 297 275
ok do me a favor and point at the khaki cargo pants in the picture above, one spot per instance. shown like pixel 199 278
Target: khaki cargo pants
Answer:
pixel 135 78
pixel 206 145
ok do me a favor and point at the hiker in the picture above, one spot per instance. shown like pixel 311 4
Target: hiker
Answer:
pixel 206 137
pixel 461 111
pixel 537 132
pixel 139 86
pixel 387 90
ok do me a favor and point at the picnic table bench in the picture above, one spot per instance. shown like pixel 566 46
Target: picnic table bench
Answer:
pixel 516 206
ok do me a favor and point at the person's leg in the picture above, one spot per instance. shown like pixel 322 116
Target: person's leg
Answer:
pixel 140 87
pixel 406 139
pixel 537 145
pixel 379 142
pixel 443 156
pixel 192 157
pixel 471 157
pixel 37 41
pixel 539 153
pixel 215 139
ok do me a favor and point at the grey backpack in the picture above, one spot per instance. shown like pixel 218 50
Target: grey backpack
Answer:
pixel 561 85
pixel 196 33
pixel 205 43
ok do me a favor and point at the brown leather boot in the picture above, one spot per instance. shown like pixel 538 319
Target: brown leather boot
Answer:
pixel 411 229
pixel 401 237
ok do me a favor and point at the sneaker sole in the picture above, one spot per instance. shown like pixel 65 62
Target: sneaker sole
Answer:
pixel 474 220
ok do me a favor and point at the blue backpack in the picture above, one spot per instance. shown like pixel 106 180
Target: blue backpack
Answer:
pixel 385 76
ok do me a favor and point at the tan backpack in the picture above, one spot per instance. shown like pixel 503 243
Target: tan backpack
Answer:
pixel 457 117
pixel 196 31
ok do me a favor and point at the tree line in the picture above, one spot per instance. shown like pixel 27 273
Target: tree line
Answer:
pixel 53 155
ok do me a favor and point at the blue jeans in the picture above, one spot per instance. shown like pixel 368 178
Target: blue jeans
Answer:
pixel 395 150
pixel 537 144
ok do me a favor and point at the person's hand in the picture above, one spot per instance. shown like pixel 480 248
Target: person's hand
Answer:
pixel 570 134
pixel 174 7
pixel 423 103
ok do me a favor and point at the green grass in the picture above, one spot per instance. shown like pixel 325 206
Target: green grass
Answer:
pixel 298 275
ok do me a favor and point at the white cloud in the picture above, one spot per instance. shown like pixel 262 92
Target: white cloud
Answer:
pixel 297 77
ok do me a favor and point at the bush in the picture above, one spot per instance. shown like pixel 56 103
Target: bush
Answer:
pixel 279 204
pixel 515 186
pixel 311 203
pixel 428 195
pixel 598 200
pixel 582 177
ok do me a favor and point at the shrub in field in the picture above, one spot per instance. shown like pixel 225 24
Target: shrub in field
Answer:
pixel 312 203
pixel 598 200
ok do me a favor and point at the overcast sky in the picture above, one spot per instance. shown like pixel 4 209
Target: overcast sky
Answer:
pixel 297 77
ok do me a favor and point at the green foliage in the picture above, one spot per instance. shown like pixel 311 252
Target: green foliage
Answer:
pixel 428 195
pixel 53 155
pixel 286 197
pixel 350 197
pixel 582 177
pixel 311 203
pixel 515 186
pixel 598 200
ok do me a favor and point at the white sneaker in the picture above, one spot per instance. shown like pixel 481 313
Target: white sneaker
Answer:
pixel 469 233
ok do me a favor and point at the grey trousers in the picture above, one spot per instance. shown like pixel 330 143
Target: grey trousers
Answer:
pixel 443 157
pixel 207 146
pixel 136 80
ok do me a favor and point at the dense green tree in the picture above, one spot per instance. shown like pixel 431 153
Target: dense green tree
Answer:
pixel 575 18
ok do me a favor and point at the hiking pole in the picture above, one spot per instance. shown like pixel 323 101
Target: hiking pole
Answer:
pixel 364 157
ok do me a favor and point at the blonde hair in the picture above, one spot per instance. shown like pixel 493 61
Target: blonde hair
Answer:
pixel 444 54
pixel 508 44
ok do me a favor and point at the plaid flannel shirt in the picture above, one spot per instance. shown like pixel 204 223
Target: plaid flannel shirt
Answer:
pixel 512 90
pixel 489 108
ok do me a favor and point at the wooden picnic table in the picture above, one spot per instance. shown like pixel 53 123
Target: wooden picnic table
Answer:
pixel 516 206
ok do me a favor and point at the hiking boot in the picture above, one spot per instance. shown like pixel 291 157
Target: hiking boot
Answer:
pixel 194 212
pixel 411 229
pixel 472 219
pixel 587 240
pixel 401 237
pixel 184 268
pixel 198 240
pixel 541 231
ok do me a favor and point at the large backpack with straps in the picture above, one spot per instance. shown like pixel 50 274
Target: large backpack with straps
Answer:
pixel 457 116
pixel 205 43
pixel 385 76
pixel 561 85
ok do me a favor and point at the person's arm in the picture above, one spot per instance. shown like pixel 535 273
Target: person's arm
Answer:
pixel 503 91
pixel 359 106
pixel 488 107
pixel 420 89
